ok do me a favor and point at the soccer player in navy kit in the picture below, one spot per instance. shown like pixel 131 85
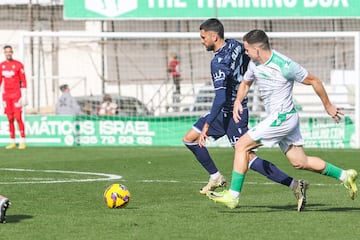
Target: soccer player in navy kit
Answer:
pixel 227 69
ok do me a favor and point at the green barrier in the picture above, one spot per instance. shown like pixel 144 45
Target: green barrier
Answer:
pixel 101 131
pixel 155 131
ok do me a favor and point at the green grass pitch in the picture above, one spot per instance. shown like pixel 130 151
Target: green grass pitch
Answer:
pixel 165 202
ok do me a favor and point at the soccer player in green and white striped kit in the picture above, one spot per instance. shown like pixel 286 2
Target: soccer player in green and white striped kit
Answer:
pixel 275 74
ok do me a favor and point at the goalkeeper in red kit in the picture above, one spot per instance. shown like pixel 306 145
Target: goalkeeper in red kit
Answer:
pixel 13 85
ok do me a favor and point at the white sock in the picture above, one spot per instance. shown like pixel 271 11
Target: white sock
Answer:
pixel 235 194
pixel 22 140
pixel 214 176
pixel 292 184
pixel 343 176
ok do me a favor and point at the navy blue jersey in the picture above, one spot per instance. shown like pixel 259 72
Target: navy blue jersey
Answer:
pixel 227 69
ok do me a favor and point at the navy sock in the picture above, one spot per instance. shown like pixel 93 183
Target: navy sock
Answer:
pixel 203 157
pixel 270 171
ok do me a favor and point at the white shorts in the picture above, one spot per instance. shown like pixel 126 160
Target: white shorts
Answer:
pixel 278 128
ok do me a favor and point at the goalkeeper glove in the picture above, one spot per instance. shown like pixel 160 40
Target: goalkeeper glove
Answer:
pixel 23 99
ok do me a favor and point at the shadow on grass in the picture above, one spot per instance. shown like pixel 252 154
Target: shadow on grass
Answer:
pixel 333 209
pixel 287 208
pixel 259 209
pixel 16 218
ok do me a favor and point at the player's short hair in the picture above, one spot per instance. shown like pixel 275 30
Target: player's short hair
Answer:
pixel 7 46
pixel 64 87
pixel 213 24
pixel 107 98
pixel 257 36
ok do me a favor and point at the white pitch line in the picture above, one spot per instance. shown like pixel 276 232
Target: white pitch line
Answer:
pixel 105 176
pixel 108 177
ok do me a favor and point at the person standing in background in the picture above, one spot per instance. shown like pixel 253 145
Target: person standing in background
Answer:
pixel 67 105
pixel 174 69
pixel 13 83
pixel 107 107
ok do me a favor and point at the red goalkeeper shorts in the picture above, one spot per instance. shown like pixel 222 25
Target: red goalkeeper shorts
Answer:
pixel 12 105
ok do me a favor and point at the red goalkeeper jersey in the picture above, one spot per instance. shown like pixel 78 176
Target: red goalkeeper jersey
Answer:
pixel 12 79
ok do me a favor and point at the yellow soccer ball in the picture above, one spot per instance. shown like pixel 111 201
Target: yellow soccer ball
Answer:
pixel 117 196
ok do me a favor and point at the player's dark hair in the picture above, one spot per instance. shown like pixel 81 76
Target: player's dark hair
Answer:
pixel 213 24
pixel 7 46
pixel 257 36
pixel 107 98
pixel 64 87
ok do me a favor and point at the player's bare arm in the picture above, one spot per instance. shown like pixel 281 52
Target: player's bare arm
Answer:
pixel 241 93
pixel 334 111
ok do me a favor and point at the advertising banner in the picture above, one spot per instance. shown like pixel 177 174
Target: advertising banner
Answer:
pixel 202 9
pixel 121 131
pixel 100 131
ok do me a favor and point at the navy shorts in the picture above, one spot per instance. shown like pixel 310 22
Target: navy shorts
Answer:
pixel 224 124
